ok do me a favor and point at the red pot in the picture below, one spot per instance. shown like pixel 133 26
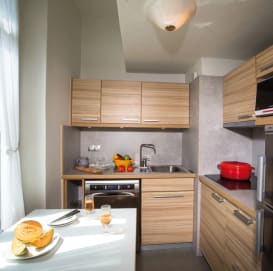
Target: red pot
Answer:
pixel 234 170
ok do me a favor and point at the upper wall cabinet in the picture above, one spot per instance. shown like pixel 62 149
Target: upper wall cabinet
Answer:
pixel 121 102
pixel 165 104
pixel 240 93
pixel 113 103
pixel 85 102
pixel 264 62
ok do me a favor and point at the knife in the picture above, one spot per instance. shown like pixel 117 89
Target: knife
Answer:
pixel 66 215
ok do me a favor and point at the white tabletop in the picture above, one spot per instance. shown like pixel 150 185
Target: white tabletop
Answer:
pixel 83 245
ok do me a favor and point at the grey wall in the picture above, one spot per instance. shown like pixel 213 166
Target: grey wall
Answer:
pixel 191 136
pixel 63 62
pixel 49 56
pixel 168 145
pixel 216 143
pixel 33 46
pixel 258 144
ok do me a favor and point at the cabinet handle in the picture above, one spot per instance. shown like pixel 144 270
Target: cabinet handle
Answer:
pixel 151 120
pixel 217 197
pixel 243 218
pixel 267 66
pixel 130 119
pixel 168 196
pixel 89 119
pixel 245 116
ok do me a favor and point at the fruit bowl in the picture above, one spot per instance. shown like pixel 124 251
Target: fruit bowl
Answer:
pixel 125 163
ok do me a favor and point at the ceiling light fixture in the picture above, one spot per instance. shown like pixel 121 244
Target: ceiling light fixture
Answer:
pixel 169 15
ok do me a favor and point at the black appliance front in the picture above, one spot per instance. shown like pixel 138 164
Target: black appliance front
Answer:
pixel 250 184
pixel 268 194
pixel 264 97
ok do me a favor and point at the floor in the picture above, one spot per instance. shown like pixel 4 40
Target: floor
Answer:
pixel 170 259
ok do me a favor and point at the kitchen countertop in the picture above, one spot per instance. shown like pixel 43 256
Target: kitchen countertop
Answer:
pixel 136 174
pixel 243 199
pixel 83 245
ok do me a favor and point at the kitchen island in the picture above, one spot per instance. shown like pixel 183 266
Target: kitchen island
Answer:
pixel 82 244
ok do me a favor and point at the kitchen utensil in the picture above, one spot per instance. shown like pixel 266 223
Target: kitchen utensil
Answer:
pixel 235 170
pixel 83 162
pixel 66 215
pixel 88 169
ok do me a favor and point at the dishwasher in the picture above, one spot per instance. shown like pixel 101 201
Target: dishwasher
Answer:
pixel 117 193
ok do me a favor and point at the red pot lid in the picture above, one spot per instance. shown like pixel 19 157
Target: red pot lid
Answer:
pixel 235 164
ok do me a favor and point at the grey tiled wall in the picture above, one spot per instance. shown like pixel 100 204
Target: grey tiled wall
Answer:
pixel 168 145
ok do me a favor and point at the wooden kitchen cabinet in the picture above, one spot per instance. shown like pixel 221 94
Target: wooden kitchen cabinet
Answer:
pixel 212 228
pixel 240 240
pixel 264 62
pixel 121 101
pixel 227 234
pixel 167 210
pixel 85 102
pixel 240 93
pixel 165 104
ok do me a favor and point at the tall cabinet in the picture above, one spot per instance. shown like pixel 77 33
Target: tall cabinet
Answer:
pixel 240 93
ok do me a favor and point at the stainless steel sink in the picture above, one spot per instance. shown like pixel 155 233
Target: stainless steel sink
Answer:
pixel 168 169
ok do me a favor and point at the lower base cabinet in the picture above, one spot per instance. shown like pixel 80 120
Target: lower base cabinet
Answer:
pixel 167 211
pixel 227 234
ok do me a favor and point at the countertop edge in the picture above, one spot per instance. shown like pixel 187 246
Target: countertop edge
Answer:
pixel 248 210
pixel 128 175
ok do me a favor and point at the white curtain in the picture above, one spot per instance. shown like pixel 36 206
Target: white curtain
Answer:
pixel 12 203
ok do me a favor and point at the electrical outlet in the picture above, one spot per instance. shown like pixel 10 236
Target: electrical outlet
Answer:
pixel 94 147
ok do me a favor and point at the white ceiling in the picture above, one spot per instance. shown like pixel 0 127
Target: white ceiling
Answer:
pixel 227 29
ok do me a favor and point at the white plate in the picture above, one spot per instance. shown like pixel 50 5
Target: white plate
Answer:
pixel 63 222
pixel 32 251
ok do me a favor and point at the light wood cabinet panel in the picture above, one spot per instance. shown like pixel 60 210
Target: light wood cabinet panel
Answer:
pixel 212 229
pixel 264 62
pixel 165 103
pixel 240 241
pixel 121 102
pixel 240 93
pixel 167 217
pixel 226 240
pixel 165 185
pixel 167 210
pixel 85 102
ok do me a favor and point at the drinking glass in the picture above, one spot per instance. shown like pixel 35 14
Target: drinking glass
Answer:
pixel 105 217
pixel 89 205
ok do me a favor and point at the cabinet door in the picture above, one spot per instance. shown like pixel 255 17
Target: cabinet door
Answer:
pixel 240 241
pixel 85 102
pixel 165 185
pixel 212 228
pixel 121 102
pixel 240 93
pixel 165 104
pixel 264 62
pixel 167 217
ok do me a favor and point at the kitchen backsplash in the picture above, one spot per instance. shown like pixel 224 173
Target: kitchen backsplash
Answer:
pixel 168 145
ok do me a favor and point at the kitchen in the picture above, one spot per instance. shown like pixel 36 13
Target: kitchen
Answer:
pixel 54 63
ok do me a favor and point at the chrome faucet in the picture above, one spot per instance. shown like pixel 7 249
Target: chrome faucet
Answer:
pixel 143 161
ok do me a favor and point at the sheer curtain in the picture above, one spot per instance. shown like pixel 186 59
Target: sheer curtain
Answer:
pixel 12 203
